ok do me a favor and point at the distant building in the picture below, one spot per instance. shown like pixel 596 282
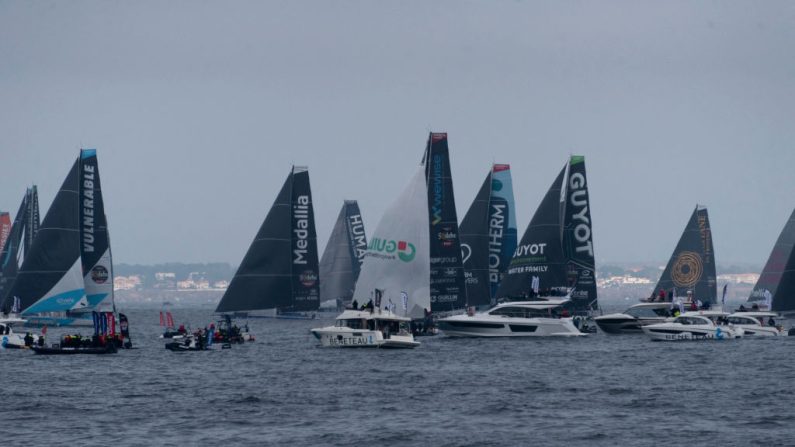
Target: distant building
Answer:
pixel 223 285
pixel 165 276
pixel 739 278
pixel 126 282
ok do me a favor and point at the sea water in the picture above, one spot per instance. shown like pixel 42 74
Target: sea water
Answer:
pixel 285 390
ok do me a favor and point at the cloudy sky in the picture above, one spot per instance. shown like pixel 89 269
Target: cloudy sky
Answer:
pixel 198 110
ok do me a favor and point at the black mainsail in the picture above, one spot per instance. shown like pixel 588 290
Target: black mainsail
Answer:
pixel 692 264
pixel 342 259
pixel 777 280
pixel 280 268
pixel 32 222
pixel 556 249
pixel 94 240
pixel 448 290
pixel 488 236
pixel 9 258
pixel 50 279
pixel 578 238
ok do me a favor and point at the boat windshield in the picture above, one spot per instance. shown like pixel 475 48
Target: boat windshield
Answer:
pixel 648 312
pixel 522 312
pixel 353 323
pixel 691 320
pixel 743 320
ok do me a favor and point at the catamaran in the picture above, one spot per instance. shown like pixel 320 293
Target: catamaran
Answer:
pixel 691 268
pixel 342 259
pixel 488 236
pixel 279 273
pixel 67 271
pixel 550 280
pixel 394 282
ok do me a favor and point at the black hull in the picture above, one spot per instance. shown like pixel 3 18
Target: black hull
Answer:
pixel 180 347
pixel 110 349
pixel 619 326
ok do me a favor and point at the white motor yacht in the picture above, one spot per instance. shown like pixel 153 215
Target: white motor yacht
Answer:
pixel 10 339
pixel 538 318
pixel 753 326
pixel 632 319
pixel 693 326
pixel 366 329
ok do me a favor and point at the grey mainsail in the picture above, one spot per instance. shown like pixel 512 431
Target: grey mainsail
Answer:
pixel 343 256
pixel 9 258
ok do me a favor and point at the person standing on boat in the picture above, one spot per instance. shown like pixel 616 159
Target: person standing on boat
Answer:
pixel 661 296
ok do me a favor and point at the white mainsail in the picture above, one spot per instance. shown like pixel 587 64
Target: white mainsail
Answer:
pixel 398 253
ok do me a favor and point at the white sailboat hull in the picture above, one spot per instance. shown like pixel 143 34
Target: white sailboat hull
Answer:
pixel 344 337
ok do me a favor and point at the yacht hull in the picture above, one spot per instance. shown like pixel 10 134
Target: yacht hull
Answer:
pixel 343 337
pixel 487 326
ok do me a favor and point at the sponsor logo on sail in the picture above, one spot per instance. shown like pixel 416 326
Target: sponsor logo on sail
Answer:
pixel 405 250
pixel 88 207
pixel 437 188
pixel 356 236
pixel 99 274
pixel 529 250
pixel 301 229
pixel 687 269
pixel 447 236
pixel 578 199
pixel 496 225
pixel 308 278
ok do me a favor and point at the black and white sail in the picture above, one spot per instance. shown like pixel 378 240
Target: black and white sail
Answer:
pixel 280 269
pixel 342 259
pixel 9 257
pixel 50 278
pixel 776 284
pixel 692 264
pixel 556 250
pixel 94 239
pixel 488 236
pixel 448 290
pixel 578 238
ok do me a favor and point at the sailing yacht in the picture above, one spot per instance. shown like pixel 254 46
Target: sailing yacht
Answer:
pixel 342 259
pixel 551 273
pixel 691 268
pixel 278 277
pixel 488 236
pixel 775 288
pixel 67 272
pixel 395 272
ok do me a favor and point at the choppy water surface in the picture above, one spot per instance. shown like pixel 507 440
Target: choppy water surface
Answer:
pixel 283 389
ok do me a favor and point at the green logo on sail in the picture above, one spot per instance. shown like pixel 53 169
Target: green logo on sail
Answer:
pixel 405 250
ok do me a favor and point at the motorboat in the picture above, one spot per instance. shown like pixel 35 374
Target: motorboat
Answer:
pixel 537 318
pixel 194 342
pixel 753 323
pixel 367 329
pixel 698 325
pixel 109 348
pixel 13 340
pixel 631 320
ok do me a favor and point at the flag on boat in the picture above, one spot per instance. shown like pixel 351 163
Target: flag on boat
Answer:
pixel 95 317
pixel 378 294
pixel 768 299
pixel 15 307
pixel 111 323
pixel 170 319
pixel 405 298
pixel 535 284
pixel 162 320
pixel 723 298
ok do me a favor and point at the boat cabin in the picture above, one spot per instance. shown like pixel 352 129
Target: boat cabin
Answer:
pixel 386 322
pixel 650 310
pixel 693 320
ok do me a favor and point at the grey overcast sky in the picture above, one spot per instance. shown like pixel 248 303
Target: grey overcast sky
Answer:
pixel 199 108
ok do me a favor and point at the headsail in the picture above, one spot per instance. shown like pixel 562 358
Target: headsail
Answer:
pixel 540 253
pixel 343 256
pixel 488 236
pixel 577 237
pixel 50 278
pixel 778 276
pixel 692 264
pixel 94 241
pixel 9 258
pixel 397 259
pixel 5 227
pixel 448 290
pixel 280 268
